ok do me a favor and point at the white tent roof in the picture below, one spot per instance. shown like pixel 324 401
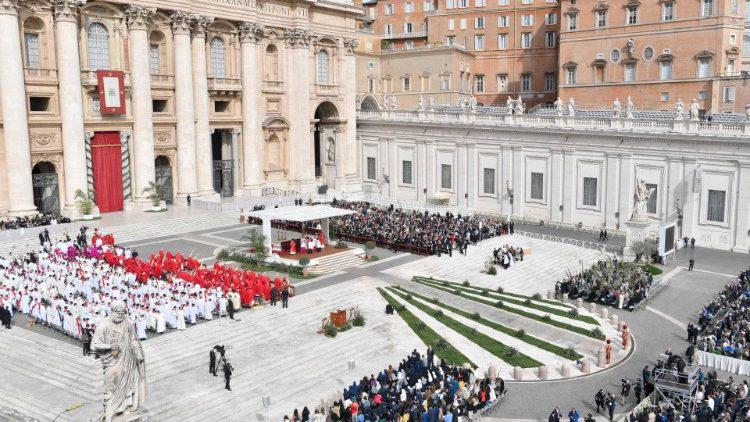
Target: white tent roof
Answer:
pixel 301 213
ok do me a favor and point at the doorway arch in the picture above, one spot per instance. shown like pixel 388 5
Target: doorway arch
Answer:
pixel 369 104
pixel 46 188
pixel 163 170
pixel 326 120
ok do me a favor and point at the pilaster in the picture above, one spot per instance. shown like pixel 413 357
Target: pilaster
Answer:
pixel 252 136
pixel 184 105
pixel 203 157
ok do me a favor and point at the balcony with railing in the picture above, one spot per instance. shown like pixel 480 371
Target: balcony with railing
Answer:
pixel 405 35
pixel 40 75
pixel 88 77
pixel 224 85
pixel 326 89
pixel 276 86
pixel 738 126
pixel 160 80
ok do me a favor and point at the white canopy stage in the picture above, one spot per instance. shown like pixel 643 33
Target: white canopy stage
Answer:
pixel 299 214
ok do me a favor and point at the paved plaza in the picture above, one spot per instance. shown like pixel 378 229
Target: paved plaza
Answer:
pixel 277 352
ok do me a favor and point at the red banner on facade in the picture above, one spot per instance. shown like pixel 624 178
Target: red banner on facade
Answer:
pixel 111 87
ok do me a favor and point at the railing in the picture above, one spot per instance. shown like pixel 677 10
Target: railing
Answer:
pixel 382 201
pixel 31 73
pixel 586 244
pixel 325 89
pixel 273 190
pixel 233 84
pixel 162 79
pixel 741 129
pixel 55 230
pixel 88 77
pixel 418 34
pixel 275 85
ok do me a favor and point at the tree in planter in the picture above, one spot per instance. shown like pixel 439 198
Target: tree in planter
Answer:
pixel 304 262
pixel 369 246
pixel 257 243
pixel 154 193
pixel 640 249
pixel 85 203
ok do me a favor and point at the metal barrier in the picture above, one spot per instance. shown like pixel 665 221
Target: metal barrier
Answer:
pixel 565 240
pixel 54 230
pixel 383 201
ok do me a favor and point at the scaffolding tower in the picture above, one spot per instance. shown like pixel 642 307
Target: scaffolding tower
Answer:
pixel 677 389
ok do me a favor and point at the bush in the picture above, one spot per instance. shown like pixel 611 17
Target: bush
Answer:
pixel 570 352
pixel 440 345
pixel 358 320
pixel 400 308
pixel 345 327
pixel 537 296
pixel 473 332
pixel 457 292
pixel 512 351
pixel 521 333
pixel 573 313
pixel 492 270
pixel 466 283
pixel 485 292
pixel 421 325
pixel 527 301
pixel 340 245
pixel 304 261
pixel 330 330
pixel 439 313
pixel 435 300
pixel 374 258
pixel 546 317
pixel 597 333
pixel 499 304
pixel 475 316
pixel 369 246
pixel 500 290
pixel 446 284
pixel 409 297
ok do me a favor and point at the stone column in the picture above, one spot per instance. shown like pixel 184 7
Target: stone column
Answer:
pixel 71 99
pixel 203 159
pixel 301 160
pixel 252 136
pixel 138 20
pixel 15 120
pixel 742 222
pixel 184 108
pixel 347 163
pixel 610 195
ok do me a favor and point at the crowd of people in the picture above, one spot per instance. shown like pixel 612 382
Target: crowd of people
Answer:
pixel 724 324
pixel 420 388
pixel 415 231
pixel 610 282
pixel 69 287
pixel 33 221
pixel 507 255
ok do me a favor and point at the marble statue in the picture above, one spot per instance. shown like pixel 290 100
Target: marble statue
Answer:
pixel 630 47
pixel 694 107
pixel 122 358
pixel 385 102
pixel 331 150
pixel 421 104
pixel 394 104
pixel 679 108
pixel 616 107
pixel 473 103
pixel 508 189
pixel 571 107
pixel 509 105
pixel 629 108
pixel 462 103
pixel 518 109
pixel 642 194
pixel 558 107
pixel 747 112
pixel 432 103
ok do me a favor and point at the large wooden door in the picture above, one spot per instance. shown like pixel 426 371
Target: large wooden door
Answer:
pixel 107 162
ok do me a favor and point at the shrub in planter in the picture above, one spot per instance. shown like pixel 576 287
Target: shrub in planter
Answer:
pixel 546 317
pixel 457 292
pixel 573 313
pixel 421 325
pixel 439 313
pixel 476 316
pixel 435 300
pixel 492 270
pixel 330 330
pixel 473 332
pixel 440 345
pixel 340 245
pixel 570 352
pixel 596 332
pixel 485 292
pixel 304 261
pixel 466 283
pixel 499 304
pixel 400 308
pixel 512 351
pixel 536 296
pixel 345 327
pixel 500 290
pixel 369 246
pixel 358 320
pixel 521 333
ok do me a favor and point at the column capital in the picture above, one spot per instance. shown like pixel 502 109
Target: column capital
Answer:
pixel 251 32
pixel 297 37
pixel 181 22
pixel 200 23
pixel 139 17
pixel 9 7
pixel 67 10
pixel 350 44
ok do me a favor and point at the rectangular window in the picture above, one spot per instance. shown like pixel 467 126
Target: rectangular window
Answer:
pixel 502 22
pixel 716 205
pixel 406 84
pixel 427 5
pixel 479 3
pixel 463 4
pixel 665 96
pixel 478 42
pixel 408 28
pixel 651 204
pixel 408 7
pixel 502 82
pixel 572 22
pixel 746 44
pixel 599 74
pixel 502 41
pixel 406 172
pixel 371 85
pixel 527 20
pixel 589 191
pixel 747 11
pixel 570 76
pixel 371 170
pixel 450 4
pixel 388 29
pixel 445 83
pixel 550 19
pixel 479 23
pixel 632 15
pixel 450 40
pixel 702 95
pixel 33 60
pixel 489 181
pixel 550 81
pixel 665 70
pixel 730 67
pixel 601 19
pixel 550 39
pixel 38 104
pixel 503 2
pixel 630 72
pixel 526 40
pixel 526 82
pixel 408 44
pixel 527 1
pixel 446 176
pixel 388 9
pixel 704 67
pixel 708 8
pixel 479 80
pixel 451 24
pixel 728 94
pixel 462 22
pixel 537 186
pixel 667 11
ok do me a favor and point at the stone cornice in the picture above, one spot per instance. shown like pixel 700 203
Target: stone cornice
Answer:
pixel 139 17
pixel 297 37
pixel 9 7
pixel 181 22
pixel 200 23
pixel 67 10
pixel 251 32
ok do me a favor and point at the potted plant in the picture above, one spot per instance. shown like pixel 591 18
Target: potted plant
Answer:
pixel 154 193
pixel 369 246
pixel 85 205
pixel 304 262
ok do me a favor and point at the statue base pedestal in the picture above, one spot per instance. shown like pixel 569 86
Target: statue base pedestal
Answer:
pixel 635 231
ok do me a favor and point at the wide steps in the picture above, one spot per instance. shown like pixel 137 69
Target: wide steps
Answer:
pixel 336 262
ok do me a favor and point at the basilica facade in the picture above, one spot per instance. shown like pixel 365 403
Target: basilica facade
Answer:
pixel 207 98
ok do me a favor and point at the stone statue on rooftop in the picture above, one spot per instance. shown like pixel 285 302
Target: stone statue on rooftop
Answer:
pixel 616 107
pixel 519 108
pixel 571 107
pixel 509 104
pixel 679 109
pixel 629 108
pixel 694 107
pixel 432 103
pixel 558 106
pixel 385 101
pixel 121 355
pixel 473 103
pixel 421 104
pixel 394 104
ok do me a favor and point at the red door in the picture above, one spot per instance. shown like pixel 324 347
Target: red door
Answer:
pixel 107 162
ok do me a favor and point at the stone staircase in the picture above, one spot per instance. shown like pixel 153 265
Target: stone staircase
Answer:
pixel 336 262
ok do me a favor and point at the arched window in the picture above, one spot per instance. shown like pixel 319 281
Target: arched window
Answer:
pixel 33 27
pixel 218 57
pixel 323 67
pixel 98 46
pixel 155 50
pixel 272 63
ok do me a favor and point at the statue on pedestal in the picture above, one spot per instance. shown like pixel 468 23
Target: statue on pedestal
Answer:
pixel 679 108
pixel 331 151
pixel 432 103
pixel 357 101
pixel 629 108
pixel 473 103
pixel 694 107
pixel 616 107
pixel 558 107
pixel 121 355
pixel 421 104
pixel 571 107
pixel 385 101
pixel 509 104
pixel 394 104
pixel 642 194
pixel 518 109
pixel 630 46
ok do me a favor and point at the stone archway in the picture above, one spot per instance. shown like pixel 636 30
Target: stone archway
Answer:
pixel 325 140
pixel 46 188
pixel 163 170
pixel 369 104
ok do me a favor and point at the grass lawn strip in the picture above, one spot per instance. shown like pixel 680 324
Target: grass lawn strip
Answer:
pixel 509 355
pixel 515 299
pixel 447 352
pixel 553 322
pixel 516 295
pixel 534 341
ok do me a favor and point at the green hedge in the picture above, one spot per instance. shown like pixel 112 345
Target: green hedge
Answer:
pixel 651 269
pixel 253 264
pixel 542 344
pixel 446 352
pixel 508 354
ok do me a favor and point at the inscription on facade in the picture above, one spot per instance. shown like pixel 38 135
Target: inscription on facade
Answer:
pixel 270 8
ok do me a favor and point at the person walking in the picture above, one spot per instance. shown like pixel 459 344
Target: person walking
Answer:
pixel 230 308
pixel 691 263
pixel 599 399
pixel 212 362
pixel 227 375
pixel 637 390
pixel 555 415
pixel 274 295
pixel 611 404
pixel 285 297
pixel 692 243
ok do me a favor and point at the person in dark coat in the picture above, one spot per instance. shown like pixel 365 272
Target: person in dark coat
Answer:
pixel 285 297
pixel 555 415
pixel 274 295
pixel 212 362
pixel 227 375
pixel 4 317
pixel 230 309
